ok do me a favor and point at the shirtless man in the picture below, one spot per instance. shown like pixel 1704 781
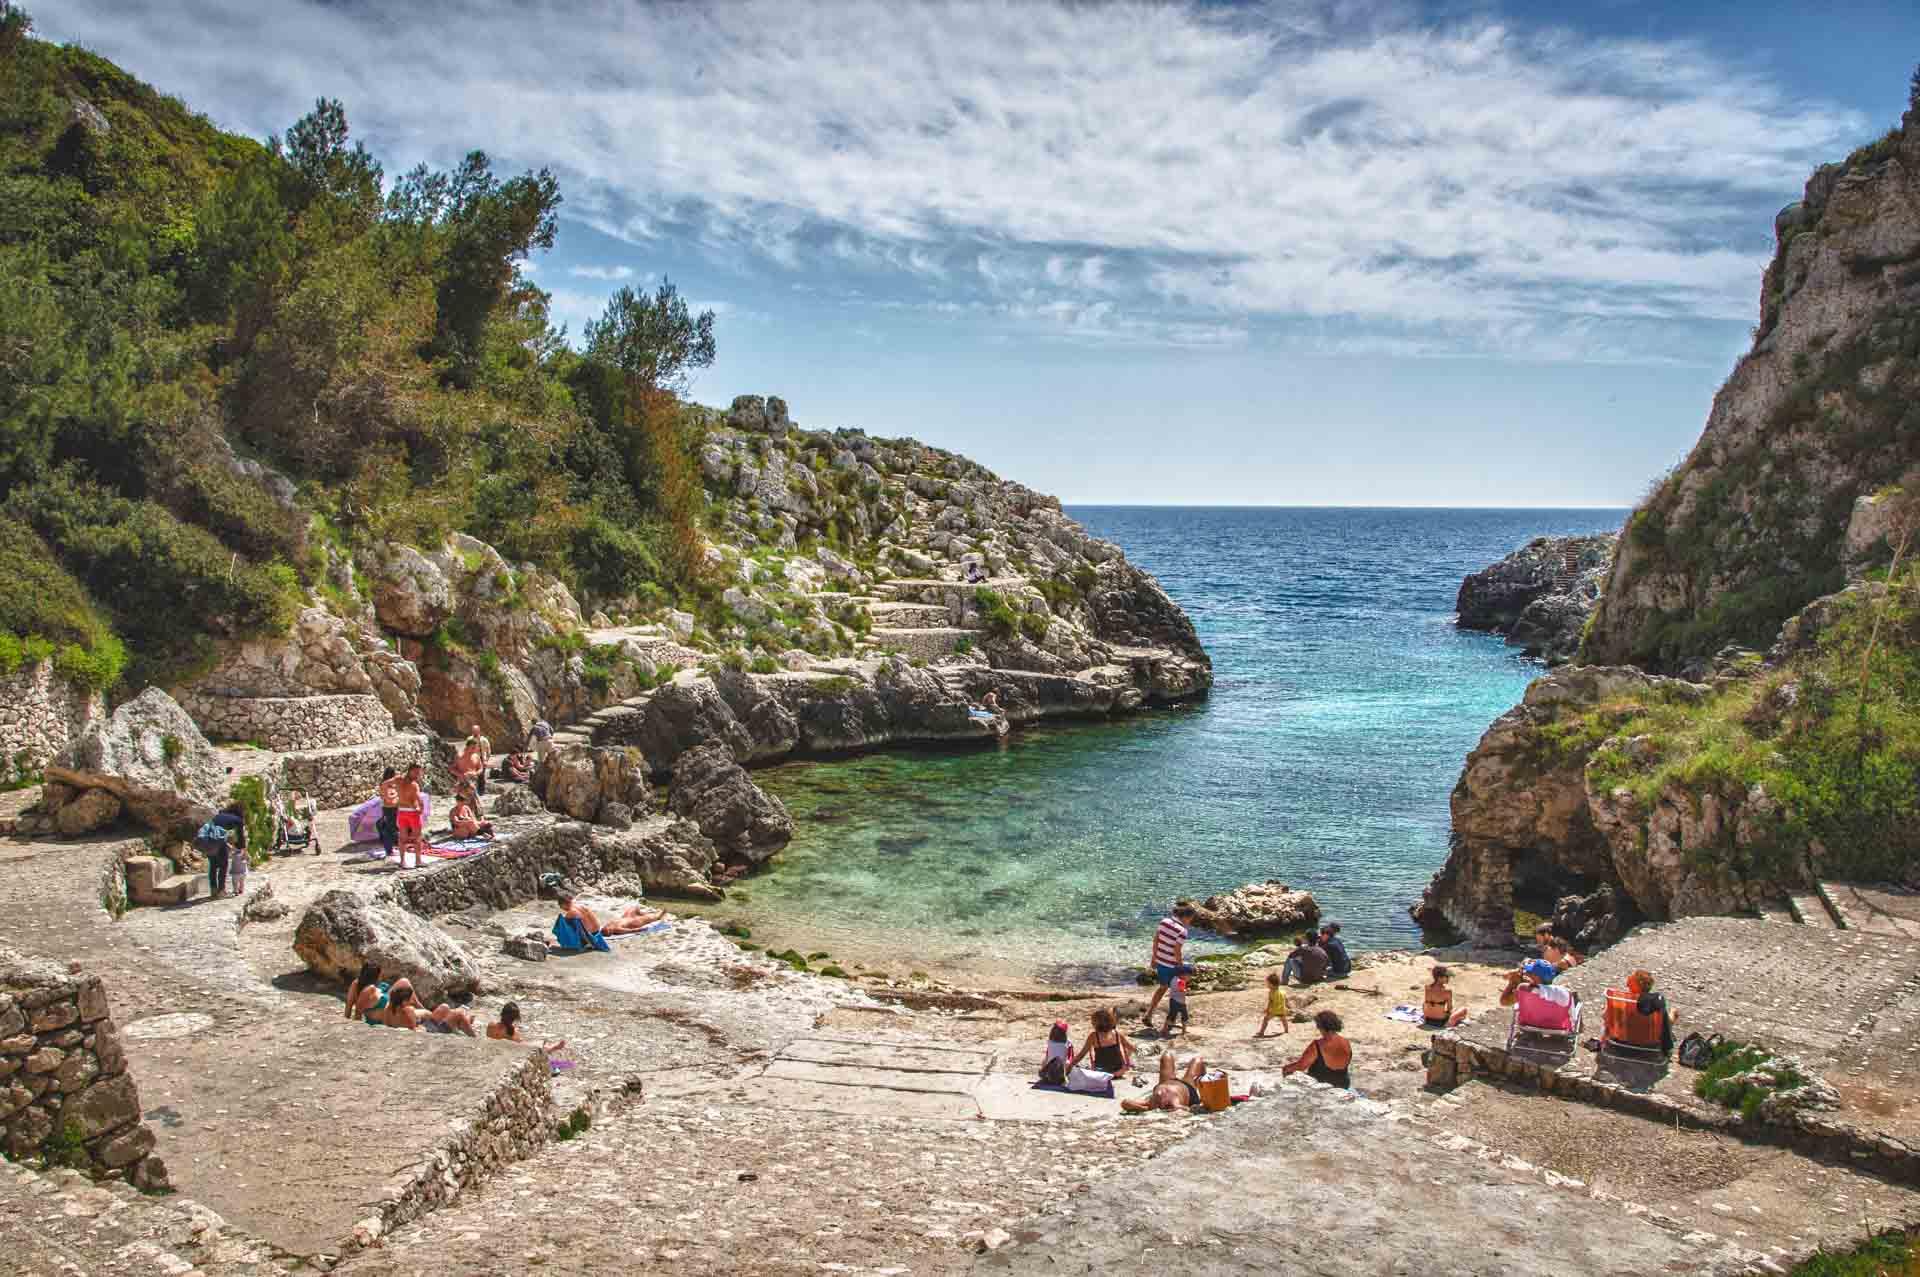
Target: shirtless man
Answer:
pixel 407 810
pixel 632 918
pixel 1173 1092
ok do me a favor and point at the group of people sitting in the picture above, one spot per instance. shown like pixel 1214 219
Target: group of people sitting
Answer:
pixel 1319 955
pixel 392 1004
pixel 1637 1017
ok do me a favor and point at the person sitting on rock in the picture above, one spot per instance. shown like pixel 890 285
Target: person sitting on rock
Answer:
pixel 507 1029
pixel 1329 1057
pixel 367 993
pixel 1307 963
pixel 518 768
pixel 466 820
pixel 1174 1091
pixel 1106 1048
pixel 1339 965
pixel 1436 1007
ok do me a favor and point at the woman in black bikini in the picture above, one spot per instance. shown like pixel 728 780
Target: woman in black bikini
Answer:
pixel 1328 1057
pixel 1109 1048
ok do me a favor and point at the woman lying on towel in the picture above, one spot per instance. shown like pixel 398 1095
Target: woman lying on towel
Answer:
pixel 629 920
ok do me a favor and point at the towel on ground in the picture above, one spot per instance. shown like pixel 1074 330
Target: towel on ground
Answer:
pixel 572 935
pixel 1406 1015
pixel 454 848
pixel 1066 1090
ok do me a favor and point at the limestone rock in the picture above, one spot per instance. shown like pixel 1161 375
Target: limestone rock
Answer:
pixel 92 810
pixel 1539 596
pixel 580 780
pixel 716 793
pixel 107 1105
pixel 149 756
pixel 411 595
pixel 526 948
pixel 262 905
pixel 517 800
pixel 344 928
pixel 1258 908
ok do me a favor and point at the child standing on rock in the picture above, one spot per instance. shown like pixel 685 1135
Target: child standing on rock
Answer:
pixel 1276 1004
pixel 1177 1004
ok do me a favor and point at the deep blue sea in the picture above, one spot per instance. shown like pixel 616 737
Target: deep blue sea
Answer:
pixel 1343 704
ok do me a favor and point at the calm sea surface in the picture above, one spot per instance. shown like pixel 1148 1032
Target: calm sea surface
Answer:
pixel 1344 701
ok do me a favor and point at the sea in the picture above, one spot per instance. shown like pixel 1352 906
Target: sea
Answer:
pixel 1343 704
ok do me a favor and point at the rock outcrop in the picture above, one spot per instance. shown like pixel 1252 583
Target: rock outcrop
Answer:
pixel 582 781
pixel 745 822
pixel 1259 908
pixel 663 856
pixel 148 761
pixel 1539 597
pixel 1754 523
pixel 345 927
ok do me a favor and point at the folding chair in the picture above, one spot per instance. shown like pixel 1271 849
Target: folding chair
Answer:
pixel 1630 1034
pixel 1540 1016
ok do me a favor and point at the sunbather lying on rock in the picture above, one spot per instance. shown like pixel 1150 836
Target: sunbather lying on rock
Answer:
pixel 1173 1092
pixel 402 1011
pixel 507 1029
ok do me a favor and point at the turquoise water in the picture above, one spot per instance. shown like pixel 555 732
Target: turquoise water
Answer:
pixel 1344 701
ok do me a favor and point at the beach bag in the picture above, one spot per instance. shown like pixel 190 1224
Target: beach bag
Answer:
pixel 1091 1081
pixel 1696 1049
pixel 1214 1096
pixel 1054 1072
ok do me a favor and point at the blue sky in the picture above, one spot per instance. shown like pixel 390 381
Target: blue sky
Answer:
pixel 1342 252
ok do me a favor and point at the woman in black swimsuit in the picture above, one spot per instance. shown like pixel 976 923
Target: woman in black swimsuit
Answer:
pixel 1328 1057
pixel 1106 1048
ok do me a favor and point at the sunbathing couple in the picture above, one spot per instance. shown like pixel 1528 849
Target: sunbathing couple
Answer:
pixel 374 1001
pixel 629 920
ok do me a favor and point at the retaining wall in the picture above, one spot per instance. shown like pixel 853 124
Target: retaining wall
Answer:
pixel 65 1093
pixel 345 776
pixel 41 714
pixel 284 723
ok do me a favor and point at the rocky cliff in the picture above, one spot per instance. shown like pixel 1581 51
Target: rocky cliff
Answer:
pixel 1773 570
pixel 1540 596
pixel 1823 411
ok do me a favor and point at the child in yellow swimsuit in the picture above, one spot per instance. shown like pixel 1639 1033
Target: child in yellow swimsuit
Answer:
pixel 1276 1004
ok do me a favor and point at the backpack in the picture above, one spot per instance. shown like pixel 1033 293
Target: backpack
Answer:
pixel 1696 1049
pixel 210 832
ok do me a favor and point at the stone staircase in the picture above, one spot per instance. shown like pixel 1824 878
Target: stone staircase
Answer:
pixel 1816 908
pixel 151 881
pixel 1567 575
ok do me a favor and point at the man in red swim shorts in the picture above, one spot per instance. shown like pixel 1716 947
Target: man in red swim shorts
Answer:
pixel 407 815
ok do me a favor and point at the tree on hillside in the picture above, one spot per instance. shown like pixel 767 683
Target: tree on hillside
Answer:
pixel 15 25
pixel 645 349
pixel 316 150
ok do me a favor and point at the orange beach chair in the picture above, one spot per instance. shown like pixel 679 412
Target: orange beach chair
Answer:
pixel 1630 1033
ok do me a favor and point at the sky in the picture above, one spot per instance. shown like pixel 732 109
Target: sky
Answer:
pixel 1335 252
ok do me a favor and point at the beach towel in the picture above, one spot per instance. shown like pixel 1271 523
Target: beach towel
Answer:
pixel 571 935
pixel 454 848
pixel 1067 1090
pixel 1406 1015
pixel 363 822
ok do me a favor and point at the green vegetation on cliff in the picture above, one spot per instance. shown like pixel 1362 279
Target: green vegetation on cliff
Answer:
pixel 223 362
pixel 1820 752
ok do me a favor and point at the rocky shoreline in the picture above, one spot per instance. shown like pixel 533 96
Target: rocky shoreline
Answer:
pixel 1539 597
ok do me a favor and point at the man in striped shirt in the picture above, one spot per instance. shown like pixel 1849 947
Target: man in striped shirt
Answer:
pixel 1169 951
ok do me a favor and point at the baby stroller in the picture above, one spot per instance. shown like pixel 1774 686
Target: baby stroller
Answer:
pixel 296 835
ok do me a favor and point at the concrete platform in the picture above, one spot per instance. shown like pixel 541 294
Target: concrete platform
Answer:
pixel 1845 1002
pixel 1313 1181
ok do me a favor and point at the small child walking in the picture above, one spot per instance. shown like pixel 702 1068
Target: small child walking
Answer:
pixel 1053 1066
pixel 1177 1004
pixel 1276 1004
pixel 237 866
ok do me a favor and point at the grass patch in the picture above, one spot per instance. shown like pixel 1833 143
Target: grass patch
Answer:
pixel 1741 1077
pixel 1892 1254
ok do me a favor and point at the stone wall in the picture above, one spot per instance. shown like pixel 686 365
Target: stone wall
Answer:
pixel 341 777
pixel 67 1094
pixel 41 714
pixel 284 723
pixel 513 1124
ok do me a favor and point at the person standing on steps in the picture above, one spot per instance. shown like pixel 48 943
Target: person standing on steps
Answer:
pixel 1169 953
pixel 542 737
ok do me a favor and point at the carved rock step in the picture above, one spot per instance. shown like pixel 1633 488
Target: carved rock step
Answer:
pixel 152 881
pixel 929 643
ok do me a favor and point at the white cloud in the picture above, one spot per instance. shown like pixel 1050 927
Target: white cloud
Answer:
pixel 1193 169
pixel 612 274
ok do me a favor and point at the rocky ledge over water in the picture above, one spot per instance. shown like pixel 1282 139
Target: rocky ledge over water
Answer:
pixel 1539 597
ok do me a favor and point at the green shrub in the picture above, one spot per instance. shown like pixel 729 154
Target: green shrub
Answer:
pixel 251 793
pixel 995 612
pixel 764 665
pixel 1717 1082
pixel 1033 625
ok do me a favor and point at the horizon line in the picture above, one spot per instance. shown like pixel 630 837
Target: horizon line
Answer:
pixel 1190 505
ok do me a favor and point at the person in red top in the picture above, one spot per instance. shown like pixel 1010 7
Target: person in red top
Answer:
pixel 1169 952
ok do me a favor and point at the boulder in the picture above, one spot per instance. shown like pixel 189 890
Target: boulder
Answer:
pixel 517 800
pixel 344 928
pixel 151 758
pixel 94 809
pixel 1259 908
pixel 262 905
pixel 743 820
pixel 578 781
